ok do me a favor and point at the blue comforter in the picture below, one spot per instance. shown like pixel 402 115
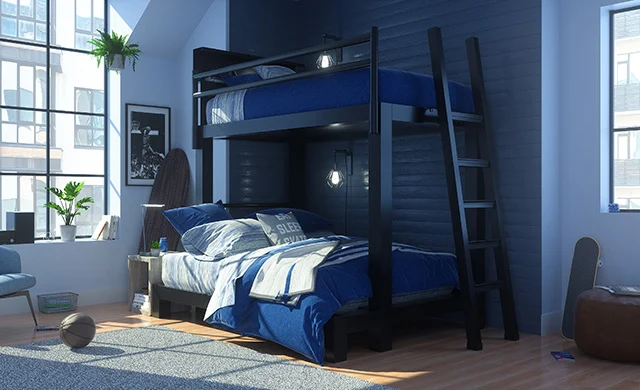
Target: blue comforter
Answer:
pixel 340 89
pixel 300 328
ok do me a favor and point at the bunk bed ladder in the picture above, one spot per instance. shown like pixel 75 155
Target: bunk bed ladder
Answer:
pixel 487 207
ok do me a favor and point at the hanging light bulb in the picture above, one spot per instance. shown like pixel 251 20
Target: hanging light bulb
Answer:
pixel 335 178
pixel 325 60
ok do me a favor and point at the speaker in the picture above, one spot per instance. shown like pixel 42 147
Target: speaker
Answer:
pixel 22 223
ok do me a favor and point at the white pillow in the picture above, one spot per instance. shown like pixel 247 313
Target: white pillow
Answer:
pixel 217 240
pixel 281 228
pixel 272 71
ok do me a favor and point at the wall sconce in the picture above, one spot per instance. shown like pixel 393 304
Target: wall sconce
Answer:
pixel 335 178
pixel 326 60
pixel 146 206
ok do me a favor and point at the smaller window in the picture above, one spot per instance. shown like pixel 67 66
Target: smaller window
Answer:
pixel 89 129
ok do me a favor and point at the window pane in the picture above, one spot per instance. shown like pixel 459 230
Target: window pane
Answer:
pixel 627 167
pixel 76 71
pixel 87 221
pixel 27 30
pixel 634 68
pixel 24 193
pixel 41 32
pixel 10 7
pixel 23 83
pixel 9 27
pixel 26 8
pixel 84 17
pixel 41 10
pixel 79 154
pixel 22 156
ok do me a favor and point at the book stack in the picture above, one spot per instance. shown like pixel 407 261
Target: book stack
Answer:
pixel 107 228
pixel 141 303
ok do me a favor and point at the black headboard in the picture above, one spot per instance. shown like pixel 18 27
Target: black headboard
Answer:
pixel 239 210
pixel 205 59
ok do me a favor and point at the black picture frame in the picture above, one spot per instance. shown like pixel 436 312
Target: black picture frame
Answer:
pixel 147 142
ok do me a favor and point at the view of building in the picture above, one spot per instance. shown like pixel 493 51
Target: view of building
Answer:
pixel 45 141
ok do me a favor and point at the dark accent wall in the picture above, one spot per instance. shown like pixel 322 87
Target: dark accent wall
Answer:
pixel 510 41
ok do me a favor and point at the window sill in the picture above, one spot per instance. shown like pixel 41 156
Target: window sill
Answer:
pixel 80 241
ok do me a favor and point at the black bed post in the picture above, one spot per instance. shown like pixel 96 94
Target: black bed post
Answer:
pixel 203 146
pixel 380 133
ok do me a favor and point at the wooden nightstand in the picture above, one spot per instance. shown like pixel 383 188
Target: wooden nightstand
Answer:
pixel 143 270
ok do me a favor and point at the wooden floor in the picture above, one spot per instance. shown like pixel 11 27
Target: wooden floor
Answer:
pixel 421 359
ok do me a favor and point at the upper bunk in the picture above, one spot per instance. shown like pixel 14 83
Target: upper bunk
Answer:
pixel 236 98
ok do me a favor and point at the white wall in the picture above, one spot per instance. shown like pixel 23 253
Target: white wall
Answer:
pixel 584 145
pixel 211 32
pixel 550 197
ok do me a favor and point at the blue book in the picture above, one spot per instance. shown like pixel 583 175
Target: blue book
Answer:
pixel 563 356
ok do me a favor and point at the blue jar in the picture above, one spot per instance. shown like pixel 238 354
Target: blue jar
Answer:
pixel 164 245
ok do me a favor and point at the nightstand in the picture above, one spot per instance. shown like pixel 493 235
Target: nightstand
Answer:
pixel 143 270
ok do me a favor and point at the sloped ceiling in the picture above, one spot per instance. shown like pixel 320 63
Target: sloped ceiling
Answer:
pixel 166 25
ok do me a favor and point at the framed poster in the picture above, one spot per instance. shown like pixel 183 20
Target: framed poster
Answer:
pixel 147 142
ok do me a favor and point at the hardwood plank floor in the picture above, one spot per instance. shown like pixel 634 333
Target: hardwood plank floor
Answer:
pixel 433 358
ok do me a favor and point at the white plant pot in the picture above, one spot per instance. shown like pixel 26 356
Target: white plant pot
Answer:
pixel 118 62
pixel 68 232
pixel 155 252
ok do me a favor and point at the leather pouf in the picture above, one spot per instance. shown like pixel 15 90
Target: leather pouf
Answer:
pixel 608 325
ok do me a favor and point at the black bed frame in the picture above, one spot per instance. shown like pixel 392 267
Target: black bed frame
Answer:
pixel 376 122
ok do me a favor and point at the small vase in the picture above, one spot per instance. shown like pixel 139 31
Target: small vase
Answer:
pixel 118 62
pixel 155 252
pixel 68 232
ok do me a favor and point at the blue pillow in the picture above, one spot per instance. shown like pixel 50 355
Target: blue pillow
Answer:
pixel 309 221
pixel 240 79
pixel 185 218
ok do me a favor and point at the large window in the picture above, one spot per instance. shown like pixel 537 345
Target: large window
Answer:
pixel 52 114
pixel 625 118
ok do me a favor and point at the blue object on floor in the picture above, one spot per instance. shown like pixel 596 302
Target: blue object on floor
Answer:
pixel 13 283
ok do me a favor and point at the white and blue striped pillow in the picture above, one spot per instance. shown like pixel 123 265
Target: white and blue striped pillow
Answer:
pixel 217 240
pixel 272 71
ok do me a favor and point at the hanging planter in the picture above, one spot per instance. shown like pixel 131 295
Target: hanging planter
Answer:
pixel 115 49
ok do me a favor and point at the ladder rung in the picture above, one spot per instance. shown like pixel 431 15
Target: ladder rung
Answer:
pixel 473 163
pixel 479 204
pixel 484 244
pixel 484 287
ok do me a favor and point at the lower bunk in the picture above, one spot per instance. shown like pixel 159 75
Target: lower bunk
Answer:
pixel 315 324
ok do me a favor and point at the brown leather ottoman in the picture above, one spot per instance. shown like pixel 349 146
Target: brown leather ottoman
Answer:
pixel 608 325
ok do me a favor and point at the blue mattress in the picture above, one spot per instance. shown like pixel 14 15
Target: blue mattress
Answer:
pixel 347 88
pixel 300 328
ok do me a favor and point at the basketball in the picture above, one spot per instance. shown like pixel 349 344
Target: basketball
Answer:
pixel 77 330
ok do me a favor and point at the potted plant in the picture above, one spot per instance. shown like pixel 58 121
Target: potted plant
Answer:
pixel 115 49
pixel 155 248
pixel 69 207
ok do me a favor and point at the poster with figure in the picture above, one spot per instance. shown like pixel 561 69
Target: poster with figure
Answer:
pixel 147 142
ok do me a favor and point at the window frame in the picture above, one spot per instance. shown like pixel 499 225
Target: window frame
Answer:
pixel 29 19
pixel 49 112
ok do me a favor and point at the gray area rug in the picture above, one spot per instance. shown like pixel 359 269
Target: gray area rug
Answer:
pixel 156 357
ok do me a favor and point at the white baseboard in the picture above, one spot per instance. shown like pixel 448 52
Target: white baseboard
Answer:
pixel 551 322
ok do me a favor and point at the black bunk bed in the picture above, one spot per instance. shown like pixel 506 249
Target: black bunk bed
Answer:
pixel 476 225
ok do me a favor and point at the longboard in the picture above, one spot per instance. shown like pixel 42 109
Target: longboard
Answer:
pixel 170 187
pixel 584 269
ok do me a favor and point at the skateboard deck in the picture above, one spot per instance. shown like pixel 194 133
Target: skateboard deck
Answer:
pixel 584 269
pixel 170 187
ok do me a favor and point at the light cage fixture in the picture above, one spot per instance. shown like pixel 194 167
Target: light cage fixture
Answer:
pixel 326 59
pixel 335 177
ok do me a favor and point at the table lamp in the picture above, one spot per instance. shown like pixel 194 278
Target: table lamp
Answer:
pixel 146 206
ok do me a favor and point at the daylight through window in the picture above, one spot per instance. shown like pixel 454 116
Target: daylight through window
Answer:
pixel 52 127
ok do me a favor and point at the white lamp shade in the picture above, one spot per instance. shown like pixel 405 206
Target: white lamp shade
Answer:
pixel 325 60
pixel 335 178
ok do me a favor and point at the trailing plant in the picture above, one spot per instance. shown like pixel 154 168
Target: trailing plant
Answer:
pixel 69 207
pixel 155 245
pixel 108 45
